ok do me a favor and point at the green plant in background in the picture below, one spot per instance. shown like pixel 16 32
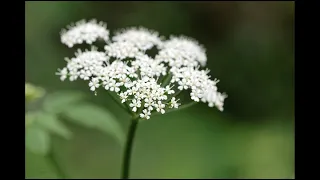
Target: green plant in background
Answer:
pixel 45 120
pixel 142 82
pixel 33 93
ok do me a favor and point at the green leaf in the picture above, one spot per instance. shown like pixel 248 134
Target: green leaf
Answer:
pixel 37 140
pixel 93 116
pixel 51 123
pixel 59 101
pixel 37 167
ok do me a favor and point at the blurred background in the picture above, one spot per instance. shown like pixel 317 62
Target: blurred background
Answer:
pixel 250 48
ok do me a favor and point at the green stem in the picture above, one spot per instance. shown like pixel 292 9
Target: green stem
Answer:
pixel 174 95
pixel 128 148
pixel 115 99
pixel 183 107
pixel 177 93
pixel 166 80
pixel 56 166
pixel 176 109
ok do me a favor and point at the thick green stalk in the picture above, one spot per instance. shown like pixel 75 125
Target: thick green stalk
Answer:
pixel 128 148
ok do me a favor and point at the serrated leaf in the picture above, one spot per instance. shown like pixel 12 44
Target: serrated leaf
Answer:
pixel 57 102
pixel 37 140
pixel 51 123
pixel 93 116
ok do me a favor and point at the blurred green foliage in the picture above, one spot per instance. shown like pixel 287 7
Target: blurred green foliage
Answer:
pixel 32 93
pixel 250 48
pixel 44 122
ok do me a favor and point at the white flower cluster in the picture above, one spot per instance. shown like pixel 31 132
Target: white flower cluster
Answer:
pixel 143 83
pixel 201 86
pixel 142 38
pixel 84 31
pixel 182 51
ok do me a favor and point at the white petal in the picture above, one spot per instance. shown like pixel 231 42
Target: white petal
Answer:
pixel 134 109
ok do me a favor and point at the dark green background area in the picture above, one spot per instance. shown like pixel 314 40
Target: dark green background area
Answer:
pixel 250 48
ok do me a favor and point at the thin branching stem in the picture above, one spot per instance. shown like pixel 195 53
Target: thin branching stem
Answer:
pixel 176 109
pixel 166 80
pixel 125 107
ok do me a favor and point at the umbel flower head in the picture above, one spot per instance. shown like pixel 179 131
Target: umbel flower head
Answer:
pixel 143 83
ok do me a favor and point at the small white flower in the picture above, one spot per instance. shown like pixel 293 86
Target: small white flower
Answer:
pixel 135 104
pixel 85 74
pixel 93 84
pixel 148 102
pixel 63 73
pixel 73 75
pixel 182 84
pixel 174 103
pixel 169 90
pixel 123 97
pixel 220 100
pixel 112 85
pixel 160 107
pixel 145 114
pixel 196 95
